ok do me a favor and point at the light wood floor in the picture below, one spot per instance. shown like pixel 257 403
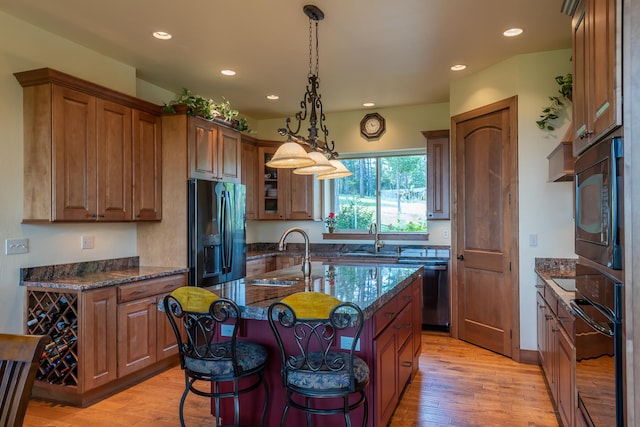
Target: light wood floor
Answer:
pixel 458 385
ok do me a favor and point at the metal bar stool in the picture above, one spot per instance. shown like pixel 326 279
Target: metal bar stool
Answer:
pixel 196 316
pixel 306 326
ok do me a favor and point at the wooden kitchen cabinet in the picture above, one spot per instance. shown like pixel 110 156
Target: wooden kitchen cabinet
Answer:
pixel 557 353
pixel 147 166
pixel 395 330
pixel 103 339
pixel 79 150
pixel 214 151
pixel 249 169
pixel 283 194
pixel 597 71
pixel 438 172
pixel 143 337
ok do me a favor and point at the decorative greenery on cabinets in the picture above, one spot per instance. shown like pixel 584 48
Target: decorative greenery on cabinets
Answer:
pixel 208 109
pixel 552 112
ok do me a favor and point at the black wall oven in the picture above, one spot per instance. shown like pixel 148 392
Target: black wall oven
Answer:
pixel 598 216
pixel 599 362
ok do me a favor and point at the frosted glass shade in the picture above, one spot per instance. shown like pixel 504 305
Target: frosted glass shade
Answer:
pixel 322 165
pixel 341 171
pixel 290 155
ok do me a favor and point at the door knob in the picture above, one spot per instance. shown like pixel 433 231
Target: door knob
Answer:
pixel 461 257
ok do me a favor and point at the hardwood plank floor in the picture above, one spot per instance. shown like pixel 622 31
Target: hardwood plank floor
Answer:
pixel 458 385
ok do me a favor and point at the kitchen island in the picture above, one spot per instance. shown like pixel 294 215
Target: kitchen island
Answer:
pixel 390 297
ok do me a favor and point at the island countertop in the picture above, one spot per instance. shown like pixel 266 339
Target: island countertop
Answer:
pixel 369 286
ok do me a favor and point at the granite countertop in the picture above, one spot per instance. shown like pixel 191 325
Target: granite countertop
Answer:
pixel 92 274
pixel 549 268
pixel 369 286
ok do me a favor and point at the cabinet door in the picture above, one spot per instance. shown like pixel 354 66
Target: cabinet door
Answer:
pixel 114 161
pixel 541 327
pixel 147 166
pixel 229 155
pixel 597 93
pixel 580 84
pixel 98 338
pixel 416 316
pixel 438 182
pixel 74 155
pixel 565 362
pixel 136 335
pixel 270 187
pixel 249 174
pixel 203 145
pixel 299 203
pixel 386 378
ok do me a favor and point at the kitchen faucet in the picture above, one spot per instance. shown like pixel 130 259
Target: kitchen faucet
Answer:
pixel 378 244
pixel 306 262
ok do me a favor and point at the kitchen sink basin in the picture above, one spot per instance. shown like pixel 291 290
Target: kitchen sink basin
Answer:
pixel 271 282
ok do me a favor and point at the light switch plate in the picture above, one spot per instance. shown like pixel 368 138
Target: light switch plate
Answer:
pixel 87 242
pixel 16 246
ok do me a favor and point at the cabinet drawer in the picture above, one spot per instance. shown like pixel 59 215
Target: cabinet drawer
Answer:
pixel 146 288
pixel 551 299
pixel 385 316
pixel 404 297
pixel 404 325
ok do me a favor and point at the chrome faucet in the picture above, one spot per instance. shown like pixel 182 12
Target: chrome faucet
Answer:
pixel 306 262
pixel 377 244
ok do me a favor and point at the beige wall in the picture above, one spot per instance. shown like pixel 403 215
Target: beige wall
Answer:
pixel 545 209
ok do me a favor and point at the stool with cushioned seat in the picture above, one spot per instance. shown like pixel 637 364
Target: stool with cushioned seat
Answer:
pixel 196 316
pixel 314 368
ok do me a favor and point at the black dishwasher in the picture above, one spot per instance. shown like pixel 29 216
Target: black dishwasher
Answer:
pixel 436 305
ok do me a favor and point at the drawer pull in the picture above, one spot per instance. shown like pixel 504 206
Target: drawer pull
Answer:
pixel 563 319
pixel 391 314
pixel 407 364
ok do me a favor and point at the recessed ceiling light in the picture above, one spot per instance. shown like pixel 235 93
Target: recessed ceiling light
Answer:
pixel 512 32
pixel 458 67
pixel 368 104
pixel 273 97
pixel 228 72
pixel 162 35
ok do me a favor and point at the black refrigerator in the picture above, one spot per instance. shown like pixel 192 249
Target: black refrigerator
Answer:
pixel 216 232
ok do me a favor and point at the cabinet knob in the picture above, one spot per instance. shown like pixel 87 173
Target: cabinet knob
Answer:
pixel 93 216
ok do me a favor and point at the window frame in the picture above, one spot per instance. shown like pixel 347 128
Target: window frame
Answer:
pixel 329 199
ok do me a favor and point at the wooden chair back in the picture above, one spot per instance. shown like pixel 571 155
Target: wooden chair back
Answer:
pixel 19 359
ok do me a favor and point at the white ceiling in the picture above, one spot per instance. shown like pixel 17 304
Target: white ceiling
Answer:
pixel 388 52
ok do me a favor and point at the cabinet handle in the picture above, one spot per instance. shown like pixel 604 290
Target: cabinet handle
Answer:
pixel 407 364
pixel 563 319
pixel 408 326
pixel 92 215
pixel 391 314
pixel 539 286
pixel 548 316
pixel 101 216
pixel 398 326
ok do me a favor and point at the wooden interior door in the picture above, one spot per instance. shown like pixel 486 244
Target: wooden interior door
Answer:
pixel 485 225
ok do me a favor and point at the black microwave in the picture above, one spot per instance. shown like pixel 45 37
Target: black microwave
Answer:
pixel 598 208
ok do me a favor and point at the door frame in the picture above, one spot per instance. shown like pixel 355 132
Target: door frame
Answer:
pixel 512 105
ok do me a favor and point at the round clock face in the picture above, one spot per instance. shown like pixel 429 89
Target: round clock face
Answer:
pixel 372 125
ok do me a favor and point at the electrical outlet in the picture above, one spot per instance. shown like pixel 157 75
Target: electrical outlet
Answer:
pixel 445 234
pixel 16 246
pixel 87 242
pixel 226 330
pixel 346 342
pixel 533 240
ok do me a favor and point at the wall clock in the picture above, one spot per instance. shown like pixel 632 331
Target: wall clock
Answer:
pixel 372 125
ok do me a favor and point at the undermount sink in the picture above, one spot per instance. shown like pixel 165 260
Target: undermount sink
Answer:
pixel 271 282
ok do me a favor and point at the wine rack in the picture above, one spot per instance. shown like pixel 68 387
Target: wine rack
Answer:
pixel 55 314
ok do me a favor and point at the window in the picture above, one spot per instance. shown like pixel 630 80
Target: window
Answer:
pixel 390 190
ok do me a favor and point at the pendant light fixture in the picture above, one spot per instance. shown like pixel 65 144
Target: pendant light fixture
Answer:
pixel 322 159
